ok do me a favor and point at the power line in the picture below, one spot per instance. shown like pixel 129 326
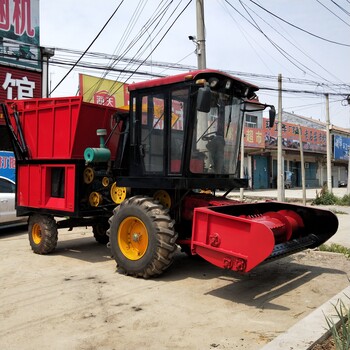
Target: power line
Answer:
pixel 159 14
pixel 300 50
pixel 303 91
pixel 167 31
pixel 56 60
pixel 87 49
pixel 296 27
pixel 284 53
pixel 342 8
pixel 333 13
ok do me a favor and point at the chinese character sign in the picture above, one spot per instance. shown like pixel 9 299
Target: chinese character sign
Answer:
pixel 341 147
pixel 312 139
pixel 7 165
pixel 103 98
pixel 24 87
pixel 18 84
pixel 253 137
pixel 19 33
pixel 103 91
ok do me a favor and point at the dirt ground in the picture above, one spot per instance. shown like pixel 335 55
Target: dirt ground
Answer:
pixel 75 299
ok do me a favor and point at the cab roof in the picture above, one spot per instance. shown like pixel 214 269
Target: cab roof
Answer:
pixel 192 75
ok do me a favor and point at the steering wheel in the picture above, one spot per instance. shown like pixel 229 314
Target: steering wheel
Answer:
pixel 209 136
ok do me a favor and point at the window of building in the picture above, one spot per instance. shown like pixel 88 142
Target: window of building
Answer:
pixel 251 121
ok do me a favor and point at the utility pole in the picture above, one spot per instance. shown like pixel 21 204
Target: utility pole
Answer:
pixel 302 166
pixel 348 184
pixel 328 145
pixel 201 55
pixel 46 53
pixel 241 190
pixel 280 165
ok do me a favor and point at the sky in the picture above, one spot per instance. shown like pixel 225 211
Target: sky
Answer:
pixel 306 41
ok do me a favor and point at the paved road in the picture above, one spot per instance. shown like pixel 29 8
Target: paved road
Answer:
pixel 293 193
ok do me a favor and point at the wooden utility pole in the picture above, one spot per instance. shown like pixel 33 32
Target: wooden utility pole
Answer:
pixel 201 54
pixel 241 190
pixel 302 166
pixel 329 151
pixel 348 185
pixel 280 165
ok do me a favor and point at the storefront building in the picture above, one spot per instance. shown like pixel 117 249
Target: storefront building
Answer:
pixel 260 149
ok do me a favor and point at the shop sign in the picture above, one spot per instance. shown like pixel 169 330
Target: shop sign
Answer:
pixel 7 164
pixel 103 91
pixel 341 147
pixel 19 33
pixel 313 140
pixel 254 137
pixel 17 84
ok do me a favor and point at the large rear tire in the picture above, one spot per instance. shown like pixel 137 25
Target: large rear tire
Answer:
pixel 43 234
pixel 142 237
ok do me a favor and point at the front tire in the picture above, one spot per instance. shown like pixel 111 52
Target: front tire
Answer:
pixel 43 234
pixel 142 237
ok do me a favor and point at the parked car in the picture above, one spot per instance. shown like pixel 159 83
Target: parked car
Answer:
pixel 8 215
pixel 342 183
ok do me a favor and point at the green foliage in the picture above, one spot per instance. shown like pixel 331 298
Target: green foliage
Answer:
pixel 345 200
pixel 340 331
pixel 327 198
pixel 335 248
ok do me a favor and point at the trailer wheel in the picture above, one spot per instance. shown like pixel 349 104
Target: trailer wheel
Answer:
pixel 100 232
pixel 43 233
pixel 142 237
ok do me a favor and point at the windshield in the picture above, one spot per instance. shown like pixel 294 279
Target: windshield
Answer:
pixel 217 136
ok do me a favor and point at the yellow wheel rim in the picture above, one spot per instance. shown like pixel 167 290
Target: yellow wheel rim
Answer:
pixel 133 238
pixel 105 181
pixel 89 175
pixel 163 197
pixel 95 199
pixel 118 194
pixel 36 233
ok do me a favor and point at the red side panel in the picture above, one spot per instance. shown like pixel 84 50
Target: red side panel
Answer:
pixel 62 128
pixel 48 125
pixel 230 242
pixel 91 118
pixel 34 187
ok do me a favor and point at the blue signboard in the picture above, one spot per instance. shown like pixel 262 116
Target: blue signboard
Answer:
pixel 341 147
pixel 8 165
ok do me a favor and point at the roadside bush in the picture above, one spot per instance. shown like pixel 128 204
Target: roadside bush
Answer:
pixel 335 248
pixel 345 200
pixel 325 197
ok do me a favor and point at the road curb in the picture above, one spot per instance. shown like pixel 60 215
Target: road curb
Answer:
pixel 311 329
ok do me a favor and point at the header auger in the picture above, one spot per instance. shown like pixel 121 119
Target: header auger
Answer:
pixel 139 181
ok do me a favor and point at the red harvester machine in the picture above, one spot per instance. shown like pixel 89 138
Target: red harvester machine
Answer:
pixel 137 183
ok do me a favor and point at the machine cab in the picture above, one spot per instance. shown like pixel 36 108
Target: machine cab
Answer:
pixel 187 126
